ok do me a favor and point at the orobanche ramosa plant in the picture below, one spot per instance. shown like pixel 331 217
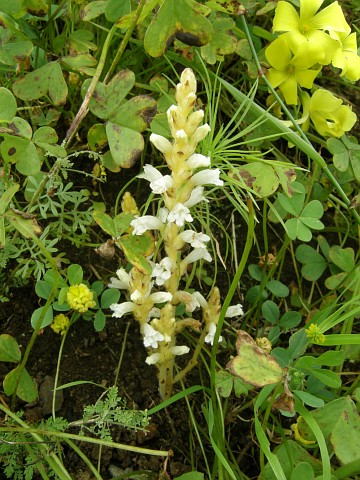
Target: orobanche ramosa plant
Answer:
pixel 156 292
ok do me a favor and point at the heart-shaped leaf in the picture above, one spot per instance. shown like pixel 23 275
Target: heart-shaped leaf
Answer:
pixel 125 144
pixel 252 364
pixel 46 138
pixel 107 98
pixel 22 152
pixel 45 80
pixel 181 19
pixel 9 349
pixel 136 114
pixel 314 264
pixel 27 389
pixel 7 105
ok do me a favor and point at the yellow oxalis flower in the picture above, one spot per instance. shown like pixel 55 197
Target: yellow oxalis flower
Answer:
pixel 289 69
pixel 328 114
pixel 345 56
pixel 80 298
pixel 60 324
pixel 310 25
pixel 314 334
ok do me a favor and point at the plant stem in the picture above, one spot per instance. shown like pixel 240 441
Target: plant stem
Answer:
pixel 125 40
pixel 83 110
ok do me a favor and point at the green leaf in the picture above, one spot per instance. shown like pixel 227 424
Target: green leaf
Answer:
pixel 270 311
pixel 8 105
pixel 45 80
pixel 304 471
pixel 93 10
pixel 96 137
pixel 277 288
pixel 125 144
pixel 110 296
pixel 223 41
pixel 115 9
pixel 108 98
pixel 80 41
pixel 290 319
pixel 224 383
pixel 43 289
pixel 313 209
pixel 47 318
pixel 46 138
pixel 27 389
pixel 24 223
pixel 340 424
pixel 252 364
pixel 23 153
pixel 12 52
pixel 136 114
pixel 75 274
pixel 296 229
pixel 4 202
pixel 99 321
pixel 136 248
pixel 343 258
pixel 82 62
pixel 191 476
pixel 314 264
pixel 9 349
pixel 355 163
pixel 181 19
pixel 309 399
pixel 327 377
pixel 260 177
pixel 105 222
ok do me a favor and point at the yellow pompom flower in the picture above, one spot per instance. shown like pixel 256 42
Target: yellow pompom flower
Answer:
pixel 314 334
pixel 80 298
pixel 60 324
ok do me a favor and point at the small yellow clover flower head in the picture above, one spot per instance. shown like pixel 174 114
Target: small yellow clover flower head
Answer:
pixel 314 334
pixel 60 324
pixel 80 298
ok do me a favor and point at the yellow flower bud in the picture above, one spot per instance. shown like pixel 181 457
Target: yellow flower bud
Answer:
pixel 60 324
pixel 314 334
pixel 80 298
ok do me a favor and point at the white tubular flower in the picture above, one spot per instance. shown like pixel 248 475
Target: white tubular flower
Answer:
pixel 211 334
pixel 153 359
pixel 122 282
pixel 151 336
pixel 195 239
pixel 163 214
pixel 162 271
pixel 121 309
pixel 234 311
pixel 161 143
pixel 200 133
pixel 200 300
pixel 161 297
pixel 179 215
pixel 139 297
pixel 179 350
pixel 207 177
pixel 188 80
pixel 196 160
pixel 197 254
pixel 196 197
pixel 158 182
pixel 147 222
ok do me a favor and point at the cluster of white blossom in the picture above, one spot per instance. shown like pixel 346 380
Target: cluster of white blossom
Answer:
pixel 180 191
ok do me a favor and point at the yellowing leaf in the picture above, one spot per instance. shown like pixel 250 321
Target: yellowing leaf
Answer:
pixel 252 364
